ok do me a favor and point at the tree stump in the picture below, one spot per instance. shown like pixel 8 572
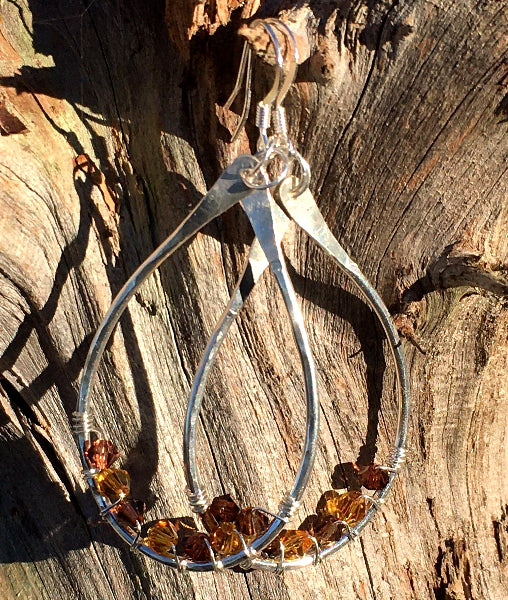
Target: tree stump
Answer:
pixel 111 129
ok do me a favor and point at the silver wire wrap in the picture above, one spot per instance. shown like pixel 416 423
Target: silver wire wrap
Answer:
pixel 263 115
pixel 288 508
pixel 198 501
pixel 279 122
pixel 82 423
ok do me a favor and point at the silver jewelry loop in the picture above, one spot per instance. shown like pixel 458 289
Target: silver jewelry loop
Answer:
pixel 304 211
pixel 267 220
pixel 244 70
pixel 264 158
pixel 269 223
pixel 293 64
pixel 303 179
pixel 280 84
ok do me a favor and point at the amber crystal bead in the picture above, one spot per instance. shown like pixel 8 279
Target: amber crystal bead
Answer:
pixel 129 512
pixel 114 484
pixel 225 540
pixel 195 547
pixel 350 507
pixel 372 476
pixel 251 523
pixel 100 454
pixel 296 544
pixel 163 537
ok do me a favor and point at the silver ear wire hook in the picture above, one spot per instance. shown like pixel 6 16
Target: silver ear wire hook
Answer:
pixel 244 72
pixel 264 107
pixel 274 96
pixel 293 64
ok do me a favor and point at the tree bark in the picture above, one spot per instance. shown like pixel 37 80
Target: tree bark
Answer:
pixel 110 132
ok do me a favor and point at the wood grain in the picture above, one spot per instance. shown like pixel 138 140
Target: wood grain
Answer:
pixel 401 110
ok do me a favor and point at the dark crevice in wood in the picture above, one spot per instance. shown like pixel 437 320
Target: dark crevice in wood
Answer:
pixel 347 126
pixel 18 402
pixel 497 537
pixel 247 585
pixel 454 268
pixel 29 419
pixel 367 567
pixel 430 504
pixel 500 528
pixel 440 585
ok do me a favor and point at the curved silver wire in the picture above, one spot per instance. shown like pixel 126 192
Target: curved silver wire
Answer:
pixel 265 156
pixel 269 224
pixel 305 212
pixel 293 64
pixel 245 71
pixel 262 212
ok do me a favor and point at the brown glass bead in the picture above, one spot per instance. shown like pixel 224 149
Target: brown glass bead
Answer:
pixel 114 484
pixel 163 537
pixel 129 512
pixel 223 509
pixel 372 476
pixel 327 503
pixel 326 529
pixel 195 547
pixel 225 540
pixel 350 507
pixel 209 521
pixel 296 544
pixel 251 523
pixel 100 454
pixel 185 527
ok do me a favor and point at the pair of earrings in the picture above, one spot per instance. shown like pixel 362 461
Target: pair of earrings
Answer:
pixel 227 536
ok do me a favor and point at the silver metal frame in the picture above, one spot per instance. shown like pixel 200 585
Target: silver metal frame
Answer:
pixel 264 216
pixel 304 211
pixel 269 222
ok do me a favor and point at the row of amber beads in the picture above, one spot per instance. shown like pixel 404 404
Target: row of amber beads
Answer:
pixel 226 524
pixel 229 527
pixel 113 484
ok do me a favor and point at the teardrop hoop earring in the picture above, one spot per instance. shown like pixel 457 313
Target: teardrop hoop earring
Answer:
pixel 252 537
pixel 245 181
pixel 340 517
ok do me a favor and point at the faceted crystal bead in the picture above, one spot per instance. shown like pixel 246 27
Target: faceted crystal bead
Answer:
pixel 224 509
pixel 327 504
pixel 195 547
pixel 129 513
pixel 210 523
pixel 114 484
pixel 185 526
pixel 251 523
pixel 372 476
pixel 326 529
pixel 296 544
pixel 163 537
pixel 100 454
pixel 349 506
pixel 225 540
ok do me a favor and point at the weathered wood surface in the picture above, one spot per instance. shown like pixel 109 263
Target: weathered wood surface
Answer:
pixel 401 110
